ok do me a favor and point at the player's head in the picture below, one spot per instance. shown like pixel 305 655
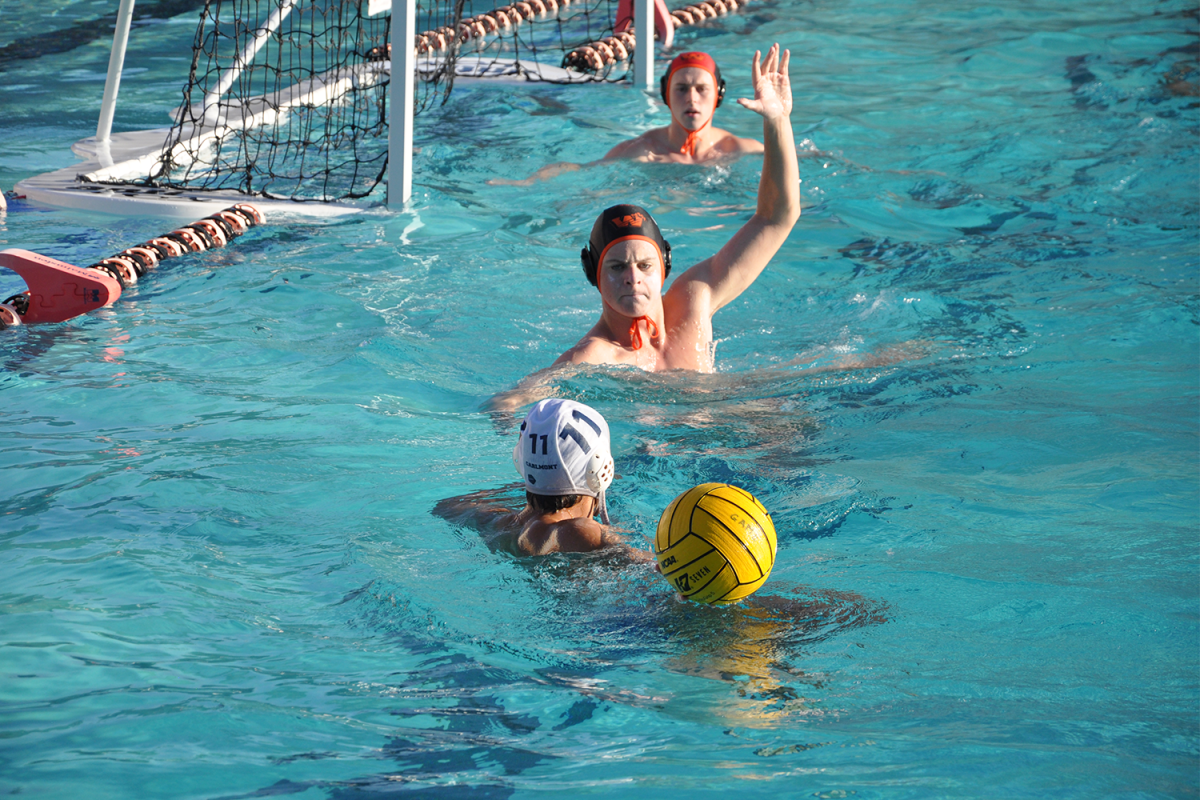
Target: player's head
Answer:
pixel 620 224
pixel 693 89
pixel 563 450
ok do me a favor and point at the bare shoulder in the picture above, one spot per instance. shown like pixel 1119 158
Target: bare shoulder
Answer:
pixel 728 143
pixel 631 148
pixel 578 536
pixel 749 145
pixel 591 349
pixel 640 147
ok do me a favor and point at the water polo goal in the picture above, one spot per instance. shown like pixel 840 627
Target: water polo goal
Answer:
pixel 290 103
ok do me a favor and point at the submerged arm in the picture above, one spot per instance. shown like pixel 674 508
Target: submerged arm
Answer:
pixel 544 174
pixel 635 148
pixel 533 387
pixel 485 510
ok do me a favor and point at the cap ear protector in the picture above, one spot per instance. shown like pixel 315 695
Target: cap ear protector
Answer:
pixel 591 261
pixel 519 462
pixel 600 471
pixel 664 87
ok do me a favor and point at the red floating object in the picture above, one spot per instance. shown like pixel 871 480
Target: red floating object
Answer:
pixel 59 291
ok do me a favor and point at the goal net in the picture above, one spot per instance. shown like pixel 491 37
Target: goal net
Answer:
pixel 288 99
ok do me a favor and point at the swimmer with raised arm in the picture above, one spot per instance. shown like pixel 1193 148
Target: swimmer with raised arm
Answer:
pixel 628 260
pixel 693 89
pixel 563 454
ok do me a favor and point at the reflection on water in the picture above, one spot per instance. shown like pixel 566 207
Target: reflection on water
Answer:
pixel 748 659
pixel 602 634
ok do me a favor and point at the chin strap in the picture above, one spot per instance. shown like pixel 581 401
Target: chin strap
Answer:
pixel 693 137
pixel 635 333
pixel 603 507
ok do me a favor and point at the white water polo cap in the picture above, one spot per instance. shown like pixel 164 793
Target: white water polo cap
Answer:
pixel 564 449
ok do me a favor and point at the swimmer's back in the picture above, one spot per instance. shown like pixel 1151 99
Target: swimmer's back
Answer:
pixel 530 536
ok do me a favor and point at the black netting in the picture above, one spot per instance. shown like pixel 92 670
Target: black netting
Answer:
pixel 306 117
pixel 537 46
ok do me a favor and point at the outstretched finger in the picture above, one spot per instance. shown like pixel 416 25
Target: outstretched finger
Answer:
pixel 783 66
pixel 755 70
pixel 772 59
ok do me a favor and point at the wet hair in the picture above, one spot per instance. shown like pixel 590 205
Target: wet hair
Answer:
pixel 549 503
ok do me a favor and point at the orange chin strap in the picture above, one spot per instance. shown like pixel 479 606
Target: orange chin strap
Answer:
pixel 635 333
pixel 689 145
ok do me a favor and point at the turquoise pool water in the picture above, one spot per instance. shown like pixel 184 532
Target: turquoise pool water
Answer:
pixel 220 574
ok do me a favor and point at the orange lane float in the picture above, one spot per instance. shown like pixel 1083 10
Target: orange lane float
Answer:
pixel 59 291
pixel 604 53
pixel 590 57
pixel 497 21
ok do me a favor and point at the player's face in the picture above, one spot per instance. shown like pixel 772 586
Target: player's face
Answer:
pixel 693 96
pixel 631 277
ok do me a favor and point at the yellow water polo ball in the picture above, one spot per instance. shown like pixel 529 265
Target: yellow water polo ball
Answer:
pixel 715 543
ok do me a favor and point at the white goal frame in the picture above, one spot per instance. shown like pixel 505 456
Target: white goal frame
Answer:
pixel 110 157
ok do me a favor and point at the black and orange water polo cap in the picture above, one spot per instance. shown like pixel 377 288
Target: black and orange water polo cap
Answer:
pixel 617 224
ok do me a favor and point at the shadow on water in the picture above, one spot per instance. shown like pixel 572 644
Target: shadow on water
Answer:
pixel 460 740
pixel 85 32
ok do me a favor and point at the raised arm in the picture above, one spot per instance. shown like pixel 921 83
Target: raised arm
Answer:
pixel 727 274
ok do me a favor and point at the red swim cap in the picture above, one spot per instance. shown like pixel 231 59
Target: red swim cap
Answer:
pixel 694 59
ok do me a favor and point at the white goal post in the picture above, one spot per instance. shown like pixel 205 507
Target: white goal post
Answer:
pixel 120 172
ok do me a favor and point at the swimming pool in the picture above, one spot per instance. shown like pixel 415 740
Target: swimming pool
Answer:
pixel 221 577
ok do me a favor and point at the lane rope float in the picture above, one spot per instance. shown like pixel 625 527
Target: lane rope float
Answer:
pixel 610 50
pixel 59 291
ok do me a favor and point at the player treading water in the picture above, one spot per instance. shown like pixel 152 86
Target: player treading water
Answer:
pixel 693 89
pixel 563 455
pixel 628 260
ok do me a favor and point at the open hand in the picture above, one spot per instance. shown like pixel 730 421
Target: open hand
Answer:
pixel 772 86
